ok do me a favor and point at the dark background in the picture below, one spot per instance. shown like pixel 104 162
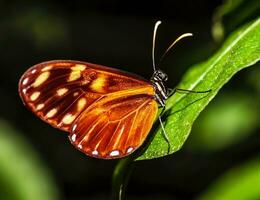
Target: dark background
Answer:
pixel 116 34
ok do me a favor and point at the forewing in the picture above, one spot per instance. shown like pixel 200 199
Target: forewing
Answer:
pixel 59 91
pixel 115 126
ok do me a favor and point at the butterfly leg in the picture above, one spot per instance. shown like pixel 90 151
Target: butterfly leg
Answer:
pixel 173 91
pixel 163 130
pixel 165 134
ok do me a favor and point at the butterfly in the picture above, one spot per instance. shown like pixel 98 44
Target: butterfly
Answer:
pixel 107 112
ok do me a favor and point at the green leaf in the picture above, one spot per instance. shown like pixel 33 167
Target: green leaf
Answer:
pixel 240 183
pixel 22 175
pixel 241 50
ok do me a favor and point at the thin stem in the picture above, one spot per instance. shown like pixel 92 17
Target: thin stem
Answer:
pixel 120 177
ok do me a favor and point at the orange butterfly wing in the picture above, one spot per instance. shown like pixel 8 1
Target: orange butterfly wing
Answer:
pixel 116 125
pixel 70 94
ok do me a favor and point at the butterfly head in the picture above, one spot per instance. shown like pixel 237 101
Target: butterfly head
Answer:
pixel 159 75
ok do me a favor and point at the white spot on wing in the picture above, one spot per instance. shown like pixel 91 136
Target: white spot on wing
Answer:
pixel 99 83
pixel 73 138
pixel 76 72
pixel 95 152
pixel 114 153
pixel 78 67
pixel 47 68
pixel 39 106
pixel 41 79
pixel 74 127
pixel 62 91
pixel 51 113
pixel 80 146
pixel 35 95
pixel 74 75
pixel 25 81
pixel 81 104
pixel 130 149
pixel 68 118
pixel 33 71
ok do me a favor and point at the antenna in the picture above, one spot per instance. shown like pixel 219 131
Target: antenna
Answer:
pixel 154 37
pixel 174 42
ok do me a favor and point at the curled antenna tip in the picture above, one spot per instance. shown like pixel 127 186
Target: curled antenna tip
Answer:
pixel 158 22
pixel 188 34
pixel 174 42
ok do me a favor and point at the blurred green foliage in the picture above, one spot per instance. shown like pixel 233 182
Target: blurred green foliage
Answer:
pixel 254 81
pixel 43 27
pixel 229 119
pixel 239 183
pixel 231 14
pixel 22 175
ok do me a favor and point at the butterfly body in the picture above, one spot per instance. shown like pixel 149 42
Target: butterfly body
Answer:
pixel 107 112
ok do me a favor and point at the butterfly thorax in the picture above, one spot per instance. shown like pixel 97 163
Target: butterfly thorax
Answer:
pixel 158 79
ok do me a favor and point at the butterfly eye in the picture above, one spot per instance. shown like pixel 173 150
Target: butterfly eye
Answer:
pixel 160 75
pixel 165 78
